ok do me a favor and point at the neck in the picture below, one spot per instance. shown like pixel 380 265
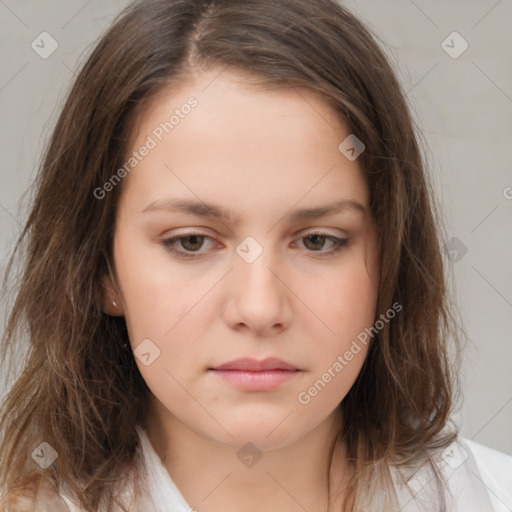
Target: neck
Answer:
pixel 214 477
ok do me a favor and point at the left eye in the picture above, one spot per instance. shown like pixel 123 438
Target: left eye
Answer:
pixel 316 241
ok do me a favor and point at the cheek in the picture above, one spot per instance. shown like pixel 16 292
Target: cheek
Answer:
pixel 155 296
pixel 348 309
pixel 165 305
pixel 342 302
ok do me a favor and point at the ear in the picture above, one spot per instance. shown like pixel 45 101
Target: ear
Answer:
pixel 111 302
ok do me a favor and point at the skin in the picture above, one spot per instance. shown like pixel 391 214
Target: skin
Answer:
pixel 262 154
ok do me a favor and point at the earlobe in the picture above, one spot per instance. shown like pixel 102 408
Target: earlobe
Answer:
pixel 111 302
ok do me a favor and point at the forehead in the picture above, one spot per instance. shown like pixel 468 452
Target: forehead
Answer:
pixel 240 140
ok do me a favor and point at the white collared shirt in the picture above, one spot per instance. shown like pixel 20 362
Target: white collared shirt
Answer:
pixel 479 479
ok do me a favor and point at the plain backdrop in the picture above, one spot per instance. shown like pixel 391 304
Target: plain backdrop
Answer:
pixel 462 100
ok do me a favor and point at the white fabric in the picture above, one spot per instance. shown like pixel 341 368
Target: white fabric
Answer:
pixel 479 479
pixel 163 492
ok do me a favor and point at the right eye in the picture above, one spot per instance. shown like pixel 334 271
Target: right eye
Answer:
pixel 186 246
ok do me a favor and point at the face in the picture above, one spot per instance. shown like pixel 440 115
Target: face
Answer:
pixel 239 291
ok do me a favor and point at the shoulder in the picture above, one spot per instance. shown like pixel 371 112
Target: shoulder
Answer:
pixel 495 470
pixel 475 477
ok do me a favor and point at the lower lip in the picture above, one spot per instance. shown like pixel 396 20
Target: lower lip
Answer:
pixel 256 381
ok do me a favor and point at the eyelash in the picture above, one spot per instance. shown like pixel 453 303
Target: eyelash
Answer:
pixel 170 245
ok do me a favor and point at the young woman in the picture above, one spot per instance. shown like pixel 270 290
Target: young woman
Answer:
pixel 233 289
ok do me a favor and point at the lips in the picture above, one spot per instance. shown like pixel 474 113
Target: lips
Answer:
pixel 253 375
pixel 253 365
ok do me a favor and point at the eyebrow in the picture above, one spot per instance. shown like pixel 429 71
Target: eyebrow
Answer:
pixel 202 209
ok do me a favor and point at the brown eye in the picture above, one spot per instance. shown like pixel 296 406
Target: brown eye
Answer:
pixel 192 243
pixel 187 246
pixel 317 242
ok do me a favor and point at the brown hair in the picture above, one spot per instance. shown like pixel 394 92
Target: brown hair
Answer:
pixel 79 389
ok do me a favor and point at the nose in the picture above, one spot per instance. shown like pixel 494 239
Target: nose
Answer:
pixel 258 299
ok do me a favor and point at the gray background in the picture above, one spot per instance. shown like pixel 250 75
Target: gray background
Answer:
pixel 463 106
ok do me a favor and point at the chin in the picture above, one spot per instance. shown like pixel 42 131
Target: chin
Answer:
pixel 246 439
pixel 271 431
